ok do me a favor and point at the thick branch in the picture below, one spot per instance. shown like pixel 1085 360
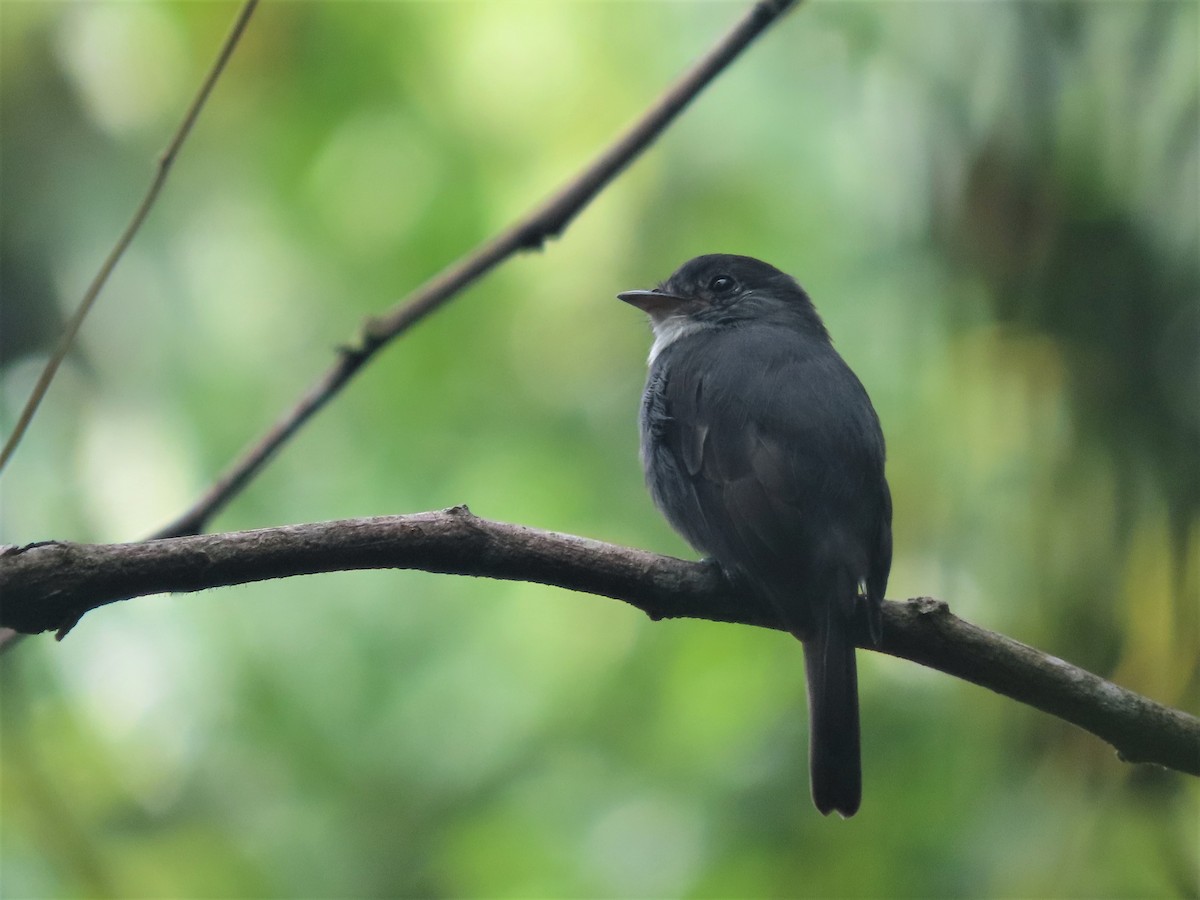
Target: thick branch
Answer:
pixel 49 585
pixel 545 221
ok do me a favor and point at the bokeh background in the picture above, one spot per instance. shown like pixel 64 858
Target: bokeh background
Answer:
pixel 996 206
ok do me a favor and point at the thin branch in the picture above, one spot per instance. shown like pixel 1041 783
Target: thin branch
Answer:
pixel 545 221
pixel 46 585
pixel 165 161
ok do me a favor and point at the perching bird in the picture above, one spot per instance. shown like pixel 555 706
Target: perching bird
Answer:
pixel 763 450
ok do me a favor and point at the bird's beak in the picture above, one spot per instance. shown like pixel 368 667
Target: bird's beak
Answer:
pixel 658 304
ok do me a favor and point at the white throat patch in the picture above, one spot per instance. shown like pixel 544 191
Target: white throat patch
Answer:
pixel 668 331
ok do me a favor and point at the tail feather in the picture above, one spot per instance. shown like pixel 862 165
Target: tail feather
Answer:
pixel 834 757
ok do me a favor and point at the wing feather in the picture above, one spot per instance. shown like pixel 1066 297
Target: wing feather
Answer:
pixel 758 491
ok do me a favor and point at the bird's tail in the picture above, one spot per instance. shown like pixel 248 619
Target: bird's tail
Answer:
pixel 835 767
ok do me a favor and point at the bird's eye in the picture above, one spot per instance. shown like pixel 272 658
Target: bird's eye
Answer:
pixel 722 284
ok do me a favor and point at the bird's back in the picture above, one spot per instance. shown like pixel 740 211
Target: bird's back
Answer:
pixel 761 447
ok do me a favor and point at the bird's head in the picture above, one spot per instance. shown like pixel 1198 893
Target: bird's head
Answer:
pixel 720 290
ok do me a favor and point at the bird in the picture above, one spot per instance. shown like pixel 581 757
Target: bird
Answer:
pixel 762 449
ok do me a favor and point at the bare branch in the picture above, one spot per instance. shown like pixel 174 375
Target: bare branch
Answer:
pixel 545 221
pixel 47 585
pixel 165 160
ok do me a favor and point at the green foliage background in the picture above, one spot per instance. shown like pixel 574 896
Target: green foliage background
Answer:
pixel 996 206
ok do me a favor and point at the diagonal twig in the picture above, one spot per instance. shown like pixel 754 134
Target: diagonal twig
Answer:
pixel 45 585
pixel 165 161
pixel 543 222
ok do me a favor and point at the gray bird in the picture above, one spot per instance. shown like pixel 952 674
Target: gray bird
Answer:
pixel 761 447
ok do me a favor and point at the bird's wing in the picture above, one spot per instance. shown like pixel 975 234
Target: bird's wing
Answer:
pixel 782 457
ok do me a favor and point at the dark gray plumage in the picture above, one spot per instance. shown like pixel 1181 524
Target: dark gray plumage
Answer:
pixel 762 449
